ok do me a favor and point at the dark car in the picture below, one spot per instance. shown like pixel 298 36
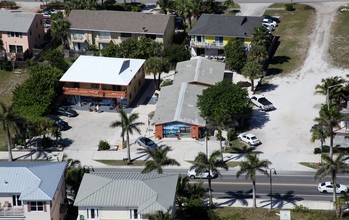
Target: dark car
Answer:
pixel 273 18
pixel 146 142
pixel 66 111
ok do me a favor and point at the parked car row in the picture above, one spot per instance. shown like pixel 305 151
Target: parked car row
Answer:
pixel 270 23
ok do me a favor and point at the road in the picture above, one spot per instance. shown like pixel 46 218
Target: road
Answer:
pixel 286 186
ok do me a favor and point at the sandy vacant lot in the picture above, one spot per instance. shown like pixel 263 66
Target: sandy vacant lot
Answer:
pixel 285 131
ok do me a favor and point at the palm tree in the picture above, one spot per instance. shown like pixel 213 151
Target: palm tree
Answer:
pixel 128 125
pixel 159 159
pixel 60 27
pixel 250 166
pixel 261 36
pixel 185 10
pixel 155 66
pixel 329 118
pixel 219 122
pixel 319 133
pixel 331 166
pixel 252 70
pixel 336 93
pixel 258 53
pixel 8 119
pixel 202 163
pixel 186 191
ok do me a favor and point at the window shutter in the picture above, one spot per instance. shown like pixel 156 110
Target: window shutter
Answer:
pixel 29 207
pixel 45 209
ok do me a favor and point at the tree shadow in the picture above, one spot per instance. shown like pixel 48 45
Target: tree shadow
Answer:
pixel 238 196
pixel 279 200
pixel 258 119
pixel 273 71
pixel 240 153
pixel 266 87
pixel 279 60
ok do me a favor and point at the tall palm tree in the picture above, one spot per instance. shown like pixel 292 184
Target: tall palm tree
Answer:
pixel 159 159
pixel 252 70
pixel 331 166
pixel 319 133
pixel 250 166
pixel 8 120
pixel 185 9
pixel 128 125
pixel 60 27
pixel 329 118
pixel 219 122
pixel 258 53
pixel 336 93
pixel 211 164
pixel 261 36
pixel 155 66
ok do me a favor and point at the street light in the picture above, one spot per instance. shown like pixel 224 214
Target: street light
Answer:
pixel 271 172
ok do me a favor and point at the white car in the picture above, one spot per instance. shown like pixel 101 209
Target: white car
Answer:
pixel 270 22
pixel 248 138
pixel 270 28
pixel 262 103
pixel 327 187
pixel 193 174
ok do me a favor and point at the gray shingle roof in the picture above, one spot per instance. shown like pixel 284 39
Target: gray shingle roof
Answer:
pixel 146 192
pixel 119 21
pixel 33 180
pixel 226 25
pixel 16 21
pixel 178 101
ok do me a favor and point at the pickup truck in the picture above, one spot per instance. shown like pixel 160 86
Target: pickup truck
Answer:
pixel 262 103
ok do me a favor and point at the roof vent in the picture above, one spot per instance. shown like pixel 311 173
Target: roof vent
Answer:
pixel 6 182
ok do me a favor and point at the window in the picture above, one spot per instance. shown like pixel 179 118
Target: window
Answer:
pixel 12 48
pixel 134 214
pixel 94 86
pixel 16 49
pixel 219 40
pixel 126 35
pixel 37 206
pixel 199 39
pixel 92 213
pixel 14 34
pixel 16 201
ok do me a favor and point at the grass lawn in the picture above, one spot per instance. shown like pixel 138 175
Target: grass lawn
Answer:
pixel 121 162
pixel 339 48
pixel 8 82
pixel 294 30
pixel 234 143
pixel 262 213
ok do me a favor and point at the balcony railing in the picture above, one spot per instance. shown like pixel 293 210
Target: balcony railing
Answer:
pixel 214 45
pixel 5 213
pixel 94 92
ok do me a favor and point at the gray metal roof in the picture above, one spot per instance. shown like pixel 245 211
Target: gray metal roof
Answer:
pixel 226 25
pixel 178 101
pixel 199 70
pixel 119 21
pixel 33 180
pixel 16 21
pixel 146 192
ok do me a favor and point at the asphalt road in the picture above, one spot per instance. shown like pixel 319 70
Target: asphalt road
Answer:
pixel 287 187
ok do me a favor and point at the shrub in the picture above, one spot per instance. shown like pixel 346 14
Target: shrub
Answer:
pixel 166 82
pixel 232 134
pixel 103 145
pixel 301 209
pixel 289 7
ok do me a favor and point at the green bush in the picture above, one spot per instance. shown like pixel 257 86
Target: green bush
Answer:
pixel 289 7
pixel 326 149
pixel 166 82
pixel 13 5
pixel 232 135
pixel 103 145
pixel 301 209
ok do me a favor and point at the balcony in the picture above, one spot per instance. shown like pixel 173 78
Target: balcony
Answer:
pixel 214 45
pixel 103 38
pixel 94 93
pixel 12 212
pixel 78 38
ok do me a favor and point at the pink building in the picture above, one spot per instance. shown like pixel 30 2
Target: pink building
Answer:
pixel 21 32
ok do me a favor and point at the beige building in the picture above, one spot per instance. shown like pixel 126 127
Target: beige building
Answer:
pixel 101 28
pixel 125 196
pixel 32 190
pixel 115 79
